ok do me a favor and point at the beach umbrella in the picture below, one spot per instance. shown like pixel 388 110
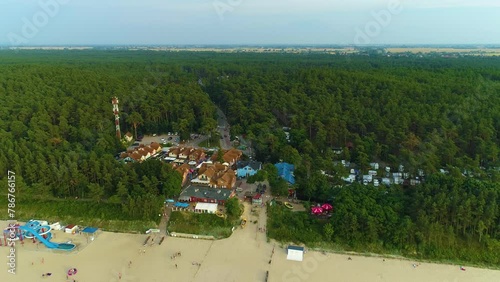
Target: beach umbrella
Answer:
pixel 316 210
pixel 327 207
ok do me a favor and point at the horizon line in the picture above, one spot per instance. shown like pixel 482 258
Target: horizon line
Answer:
pixel 256 45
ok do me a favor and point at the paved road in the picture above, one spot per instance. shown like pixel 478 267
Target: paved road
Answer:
pixel 195 142
pixel 223 129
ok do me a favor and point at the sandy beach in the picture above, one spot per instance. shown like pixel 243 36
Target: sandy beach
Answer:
pixel 243 257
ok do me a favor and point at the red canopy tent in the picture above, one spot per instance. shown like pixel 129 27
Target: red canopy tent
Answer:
pixel 316 210
pixel 327 207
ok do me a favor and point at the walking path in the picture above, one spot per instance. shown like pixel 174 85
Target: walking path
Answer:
pixel 164 220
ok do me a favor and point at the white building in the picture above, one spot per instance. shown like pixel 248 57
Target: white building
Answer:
pixel 367 177
pixel 295 253
pixel 206 207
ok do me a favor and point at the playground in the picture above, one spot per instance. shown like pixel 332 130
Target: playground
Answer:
pixel 35 229
pixel 38 235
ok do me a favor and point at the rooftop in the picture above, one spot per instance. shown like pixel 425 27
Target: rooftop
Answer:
pixel 255 165
pixel 297 248
pixel 206 193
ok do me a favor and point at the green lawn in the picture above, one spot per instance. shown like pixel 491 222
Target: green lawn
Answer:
pixel 214 142
pixel 106 216
pixel 199 224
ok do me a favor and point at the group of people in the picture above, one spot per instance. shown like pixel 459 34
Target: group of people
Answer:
pixel 272 254
pixel 48 274
pixel 178 254
pixel 151 242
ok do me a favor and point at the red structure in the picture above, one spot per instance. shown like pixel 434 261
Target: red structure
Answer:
pixel 116 112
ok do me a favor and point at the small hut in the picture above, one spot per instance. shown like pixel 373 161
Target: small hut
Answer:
pixel 295 253
pixel 71 229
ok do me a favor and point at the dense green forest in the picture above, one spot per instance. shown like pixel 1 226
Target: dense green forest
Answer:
pixel 446 219
pixel 425 113
pixel 57 134
pixel 57 125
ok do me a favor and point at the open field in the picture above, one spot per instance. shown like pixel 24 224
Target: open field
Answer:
pixel 475 51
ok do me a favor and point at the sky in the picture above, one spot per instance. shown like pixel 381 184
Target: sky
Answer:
pixel 248 22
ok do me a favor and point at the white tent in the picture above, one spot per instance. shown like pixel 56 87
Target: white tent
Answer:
pixel 206 207
pixel 295 253
pixel 56 226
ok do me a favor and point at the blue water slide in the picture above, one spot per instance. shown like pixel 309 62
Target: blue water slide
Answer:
pixel 46 242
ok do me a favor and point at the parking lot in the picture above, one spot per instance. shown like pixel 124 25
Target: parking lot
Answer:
pixel 251 188
pixel 162 139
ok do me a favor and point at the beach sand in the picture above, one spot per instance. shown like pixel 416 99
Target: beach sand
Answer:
pixel 242 257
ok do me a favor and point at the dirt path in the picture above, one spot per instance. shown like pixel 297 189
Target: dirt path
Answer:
pixel 164 220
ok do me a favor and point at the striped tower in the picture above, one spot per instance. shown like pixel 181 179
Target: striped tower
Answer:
pixel 116 111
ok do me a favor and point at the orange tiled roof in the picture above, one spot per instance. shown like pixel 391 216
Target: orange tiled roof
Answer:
pixel 210 172
pixel 202 168
pixel 219 167
pixel 183 168
pixel 155 145
pixel 142 151
pixel 136 156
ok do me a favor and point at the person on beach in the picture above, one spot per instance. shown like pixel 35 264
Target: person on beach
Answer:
pixel 176 266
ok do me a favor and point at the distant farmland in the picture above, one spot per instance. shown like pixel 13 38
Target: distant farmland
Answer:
pixel 426 50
